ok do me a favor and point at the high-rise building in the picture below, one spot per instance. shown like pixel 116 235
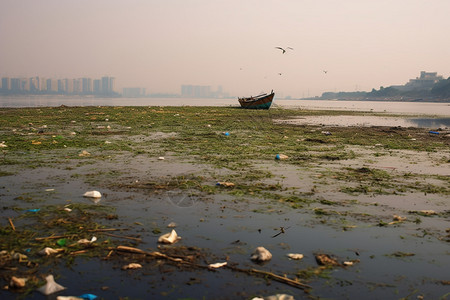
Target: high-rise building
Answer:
pixel 6 83
pixel 107 86
pixel 52 85
pixel 97 86
pixel 68 83
pixel 86 85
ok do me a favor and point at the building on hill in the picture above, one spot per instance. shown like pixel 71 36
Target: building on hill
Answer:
pixel 425 82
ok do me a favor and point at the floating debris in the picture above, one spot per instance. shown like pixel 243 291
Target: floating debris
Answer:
pixel 88 296
pixel 169 238
pixel 425 212
pixel 86 241
pixel 49 251
pixel 296 256
pixel 399 218
pixel 261 254
pixel 92 194
pixel 275 297
pixel 428 212
pixel 225 184
pixel 84 153
pixel 33 210
pixel 217 265
pixel 17 283
pixel 172 225
pixel 326 260
pixel 132 266
pixel 51 286
pixel 281 157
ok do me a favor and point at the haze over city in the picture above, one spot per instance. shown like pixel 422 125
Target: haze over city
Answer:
pixel 161 45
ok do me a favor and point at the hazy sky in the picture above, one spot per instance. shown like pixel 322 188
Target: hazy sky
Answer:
pixel 162 44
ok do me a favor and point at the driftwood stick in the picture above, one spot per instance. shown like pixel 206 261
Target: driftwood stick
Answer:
pixel 123 237
pixel 283 279
pixel 12 224
pixel 53 237
pixel 130 249
pixel 105 229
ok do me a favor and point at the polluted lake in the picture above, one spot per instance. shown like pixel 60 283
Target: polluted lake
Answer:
pixel 159 203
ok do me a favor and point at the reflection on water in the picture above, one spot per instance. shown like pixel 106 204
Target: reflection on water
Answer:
pixel 368 121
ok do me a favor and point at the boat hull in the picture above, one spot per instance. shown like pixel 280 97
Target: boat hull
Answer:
pixel 260 102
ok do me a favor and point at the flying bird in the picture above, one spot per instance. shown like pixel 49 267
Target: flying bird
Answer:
pixel 284 50
pixel 325 71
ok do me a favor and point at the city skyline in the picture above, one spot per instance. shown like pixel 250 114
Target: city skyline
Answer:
pixel 160 46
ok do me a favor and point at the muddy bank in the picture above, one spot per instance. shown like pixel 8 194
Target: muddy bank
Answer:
pixel 376 195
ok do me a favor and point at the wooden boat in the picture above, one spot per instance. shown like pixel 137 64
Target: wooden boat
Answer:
pixel 262 101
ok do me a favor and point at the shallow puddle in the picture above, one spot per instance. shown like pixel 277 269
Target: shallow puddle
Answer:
pixel 368 121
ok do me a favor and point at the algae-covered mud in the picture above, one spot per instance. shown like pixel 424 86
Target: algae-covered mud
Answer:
pixel 366 207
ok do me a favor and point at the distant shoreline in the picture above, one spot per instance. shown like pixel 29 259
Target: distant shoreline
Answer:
pixel 393 99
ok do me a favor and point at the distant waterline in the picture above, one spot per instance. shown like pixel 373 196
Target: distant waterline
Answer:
pixel 417 108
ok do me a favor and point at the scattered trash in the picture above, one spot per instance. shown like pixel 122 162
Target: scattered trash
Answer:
pixel 36 142
pixel 326 260
pixel 161 158
pixel 49 251
pixel 296 256
pixel 108 142
pixel 20 257
pixel 348 263
pixel 169 238
pixel 281 157
pixel 3 145
pixel 49 190
pixel 225 184
pixel 132 266
pixel 226 133
pixel 401 254
pixel 84 153
pixel 92 194
pixel 399 218
pixel 433 132
pixel 34 210
pixel 68 298
pixel 172 225
pixel 261 254
pixel 326 132
pixel 73 133
pixel 209 125
pixel 88 296
pixel 67 209
pixel 51 286
pixel 275 297
pixel 428 212
pixel 425 212
pixel 61 242
pixel 17 283
pixel 86 241
pixel 217 265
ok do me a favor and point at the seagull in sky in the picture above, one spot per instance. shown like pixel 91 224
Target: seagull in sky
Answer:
pixel 325 71
pixel 284 50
